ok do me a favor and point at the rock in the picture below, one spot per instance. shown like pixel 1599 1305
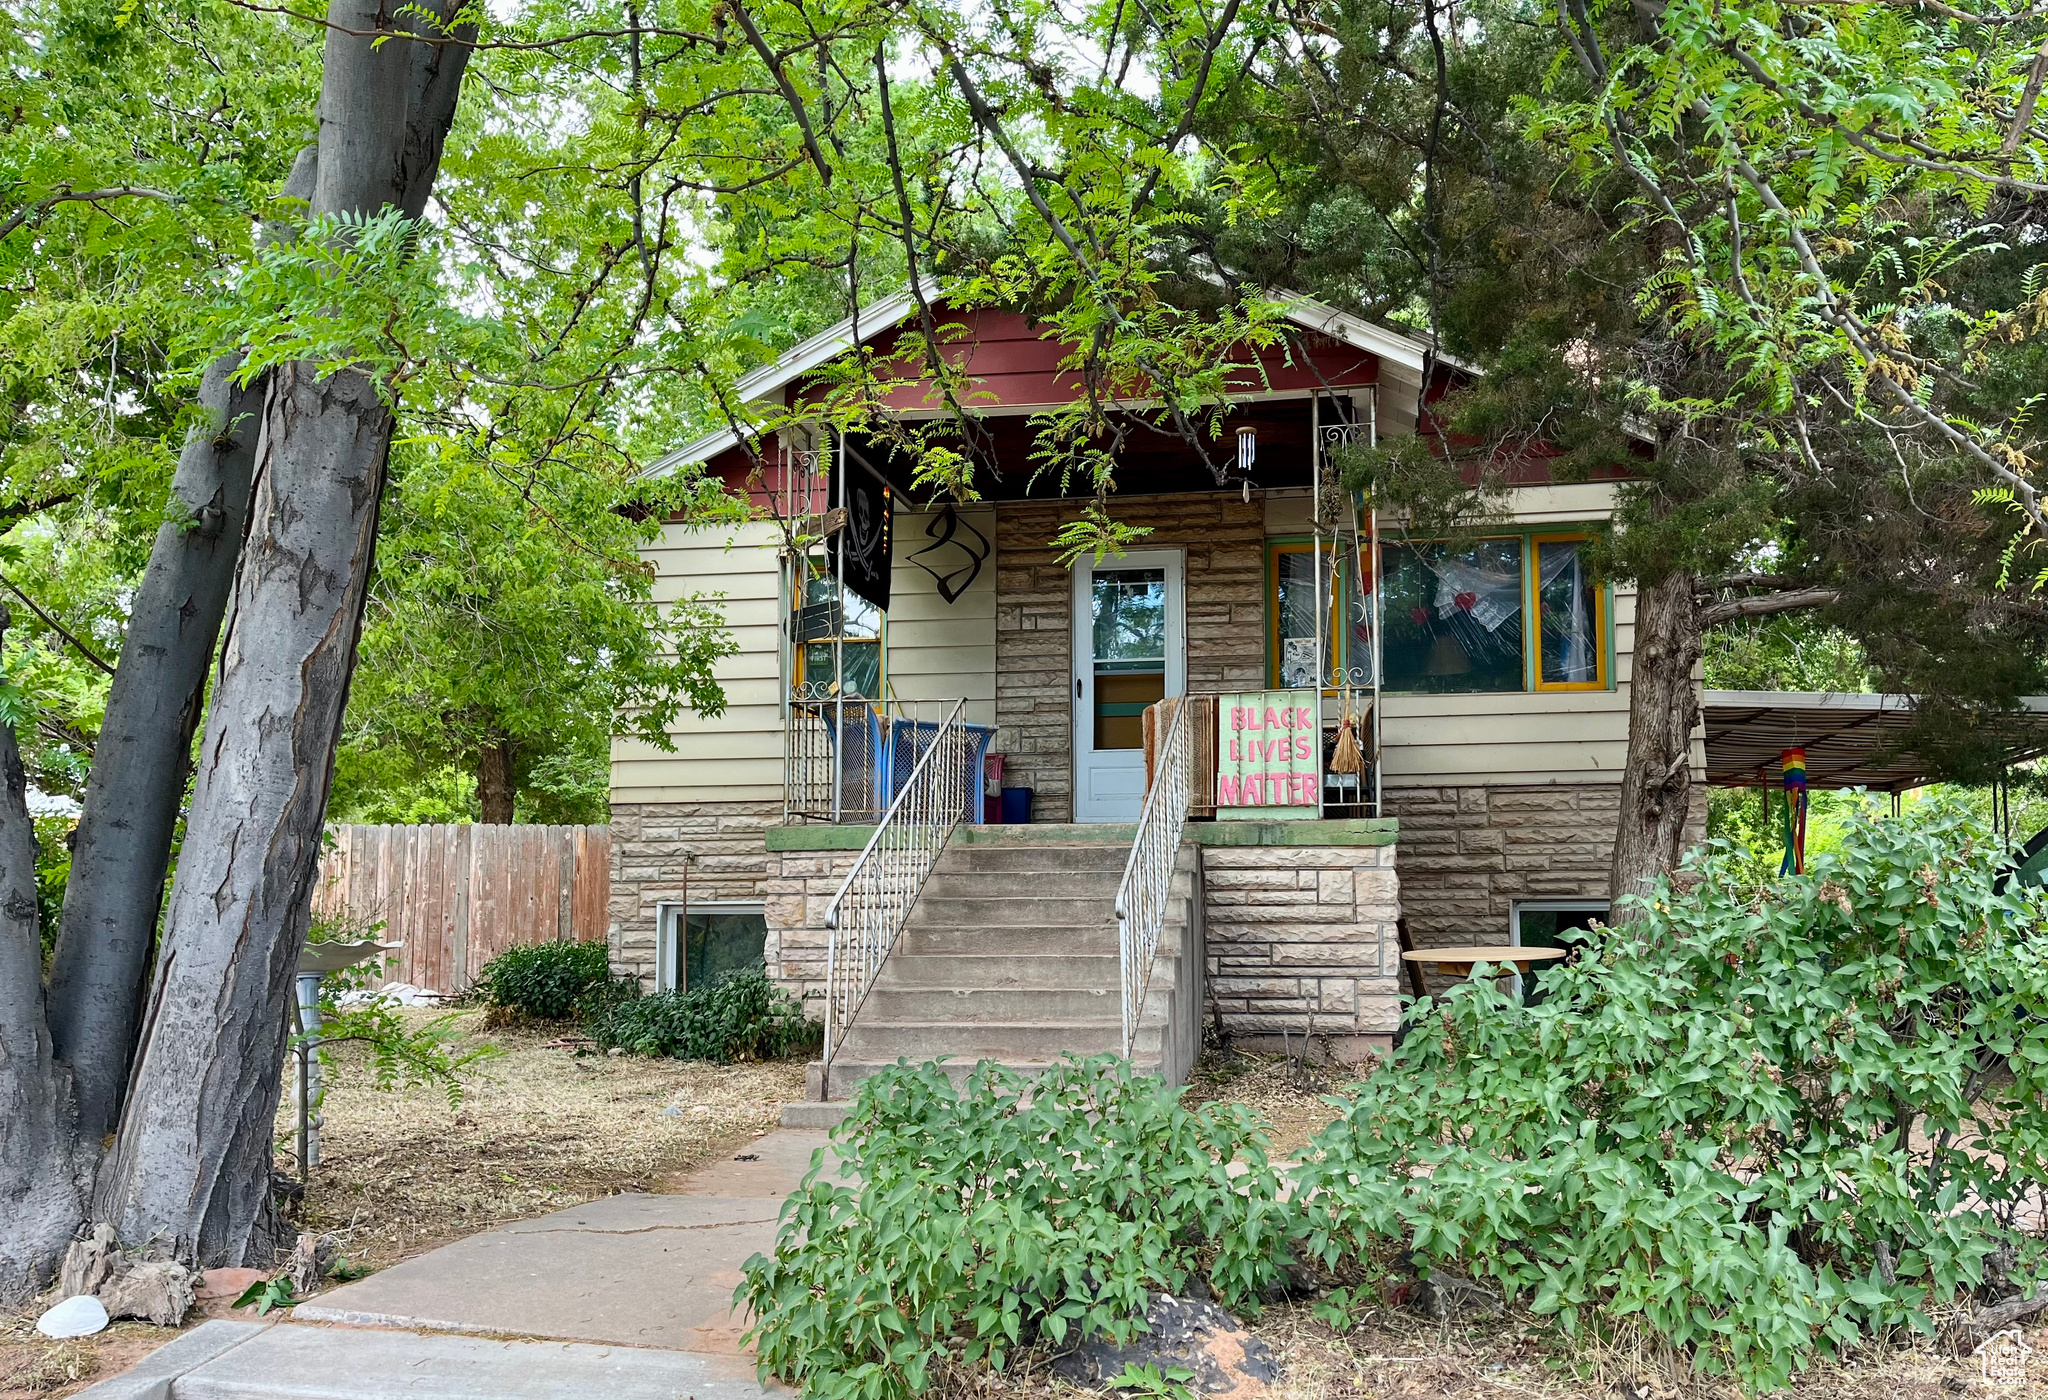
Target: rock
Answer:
pixel 615 1052
pixel 154 1290
pixel 89 1262
pixel 312 1261
pixel 229 1284
pixel 1199 1337
pixel 80 1316
pixel 671 1112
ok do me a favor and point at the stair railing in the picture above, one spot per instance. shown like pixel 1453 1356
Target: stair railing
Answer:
pixel 1147 889
pixel 867 916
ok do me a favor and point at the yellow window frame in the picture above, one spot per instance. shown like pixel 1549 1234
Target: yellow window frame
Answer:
pixel 1532 568
pixel 1335 631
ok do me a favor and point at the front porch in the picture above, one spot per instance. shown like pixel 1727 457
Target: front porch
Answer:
pixel 1293 923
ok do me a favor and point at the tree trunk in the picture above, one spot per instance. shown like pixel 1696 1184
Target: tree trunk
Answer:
pixel 44 1178
pixel 1663 708
pixel 140 763
pixel 494 788
pixel 191 1165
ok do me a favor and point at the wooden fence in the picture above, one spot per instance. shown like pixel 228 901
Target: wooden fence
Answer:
pixel 457 896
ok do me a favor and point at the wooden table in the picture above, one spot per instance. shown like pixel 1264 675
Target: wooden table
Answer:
pixel 1457 960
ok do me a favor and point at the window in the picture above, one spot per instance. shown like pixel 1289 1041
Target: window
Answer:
pixel 857 629
pixel 1554 923
pixel 1571 638
pixel 1128 614
pixel 1455 616
pixel 721 939
pixel 1293 614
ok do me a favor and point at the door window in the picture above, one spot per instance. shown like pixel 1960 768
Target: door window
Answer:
pixel 1128 614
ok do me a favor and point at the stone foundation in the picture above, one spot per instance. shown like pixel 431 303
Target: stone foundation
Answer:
pixel 1469 853
pixel 1302 947
pixel 721 845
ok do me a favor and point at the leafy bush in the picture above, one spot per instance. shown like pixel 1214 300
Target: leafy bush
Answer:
pixel 746 1017
pixel 1752 1123
pixel 1019 1208
pixel 546 981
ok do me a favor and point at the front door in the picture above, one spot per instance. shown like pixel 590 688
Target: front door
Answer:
pixel 1128 653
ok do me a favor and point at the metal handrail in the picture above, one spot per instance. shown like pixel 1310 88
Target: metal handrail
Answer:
pixel 1142 898
pixel 880 890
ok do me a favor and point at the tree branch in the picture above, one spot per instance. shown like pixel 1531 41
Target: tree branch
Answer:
pixel 1733 609
pixel 49 202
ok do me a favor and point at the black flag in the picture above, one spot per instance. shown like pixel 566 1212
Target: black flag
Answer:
pixel 865 540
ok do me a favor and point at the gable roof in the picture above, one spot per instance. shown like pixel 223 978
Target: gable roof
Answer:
pixel 1394 347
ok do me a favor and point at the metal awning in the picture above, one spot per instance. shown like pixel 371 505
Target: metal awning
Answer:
pixel 1850 740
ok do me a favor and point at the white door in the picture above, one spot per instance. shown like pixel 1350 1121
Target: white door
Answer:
pixel 1129 652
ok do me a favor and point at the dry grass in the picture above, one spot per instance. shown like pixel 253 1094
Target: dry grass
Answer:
pixel 1396 1354
pixel 1289 1095
pixel 540 1129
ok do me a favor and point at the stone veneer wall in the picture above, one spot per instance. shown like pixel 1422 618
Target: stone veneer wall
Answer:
pixel 1301 942
pixel 727 858
pixel 1469 853
pixel 1300 939
pixel 1224 538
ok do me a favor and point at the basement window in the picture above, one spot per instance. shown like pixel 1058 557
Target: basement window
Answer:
pixel 1555 923
pixel 715 940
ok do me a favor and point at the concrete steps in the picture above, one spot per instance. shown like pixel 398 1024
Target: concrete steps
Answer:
pixel 1009 955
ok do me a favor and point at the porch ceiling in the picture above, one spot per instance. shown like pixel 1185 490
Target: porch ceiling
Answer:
pixel 1850 740
pixel 1150 460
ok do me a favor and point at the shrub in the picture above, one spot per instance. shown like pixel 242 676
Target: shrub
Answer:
pixel 1753 1123
pixel 1017 1209
pixel 546 981
pixel 746 1017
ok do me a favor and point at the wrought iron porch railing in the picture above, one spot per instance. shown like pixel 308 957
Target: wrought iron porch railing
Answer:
pixel 866 917
pixel 846 758
pixel 1147 889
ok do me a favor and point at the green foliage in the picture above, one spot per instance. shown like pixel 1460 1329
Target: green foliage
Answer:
pixel 746 1017
pixel 402 1052
pixel 545 981
pixel 53 872
pixel 1759 1122
pixel 1018 1209
pixel 1150 1380
pixel 266 1294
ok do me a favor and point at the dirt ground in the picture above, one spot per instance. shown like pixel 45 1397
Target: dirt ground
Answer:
pixel 544 1128
pixel 541 1128
pixel 1291 1097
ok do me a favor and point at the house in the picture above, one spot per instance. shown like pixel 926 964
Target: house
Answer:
pixel 1487 685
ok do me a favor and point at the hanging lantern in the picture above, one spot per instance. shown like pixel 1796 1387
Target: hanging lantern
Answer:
pixel 1792 764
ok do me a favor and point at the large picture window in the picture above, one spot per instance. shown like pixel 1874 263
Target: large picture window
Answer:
pixel 1505 613
pixel 1454 616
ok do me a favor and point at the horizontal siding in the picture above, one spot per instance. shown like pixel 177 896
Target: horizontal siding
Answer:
pixel 938 650
pixel 736 757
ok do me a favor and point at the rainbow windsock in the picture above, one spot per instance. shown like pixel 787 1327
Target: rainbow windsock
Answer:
pixel 1792 763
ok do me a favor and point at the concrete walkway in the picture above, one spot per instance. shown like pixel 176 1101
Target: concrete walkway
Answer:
pixel 626 1297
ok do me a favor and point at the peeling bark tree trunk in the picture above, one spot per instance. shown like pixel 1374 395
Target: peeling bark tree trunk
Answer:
pixel 44 1177
pixel 1663 707
pixel 494 789
pixel 191 1165
pixel 123 845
